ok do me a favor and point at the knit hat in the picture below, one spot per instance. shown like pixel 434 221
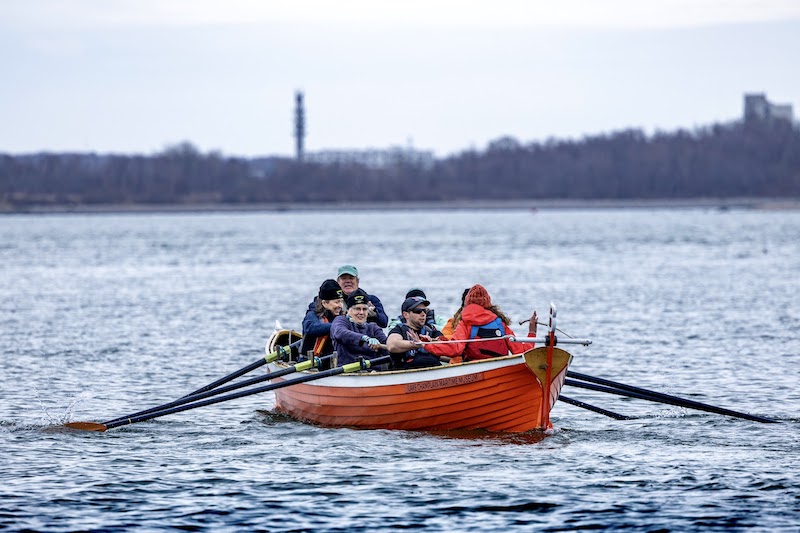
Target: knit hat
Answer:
pixel 478 295
pixel 357 297
pixel 330 290
pixel 415 292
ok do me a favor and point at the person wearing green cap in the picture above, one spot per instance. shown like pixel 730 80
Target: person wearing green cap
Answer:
pixel 347 277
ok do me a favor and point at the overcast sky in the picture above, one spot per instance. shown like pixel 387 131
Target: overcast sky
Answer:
pixel 134 76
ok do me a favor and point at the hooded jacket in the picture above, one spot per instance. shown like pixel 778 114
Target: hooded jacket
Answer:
pixel 471 316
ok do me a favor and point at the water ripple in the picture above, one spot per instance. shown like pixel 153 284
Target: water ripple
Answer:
pixel 103 315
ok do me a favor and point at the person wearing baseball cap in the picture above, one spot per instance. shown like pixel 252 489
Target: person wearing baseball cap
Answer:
pixel 405 339
pixel 347 277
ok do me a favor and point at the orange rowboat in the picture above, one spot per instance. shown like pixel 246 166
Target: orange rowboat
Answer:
pixel 502 394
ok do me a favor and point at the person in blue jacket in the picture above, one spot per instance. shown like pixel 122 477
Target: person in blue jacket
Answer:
pixel 317 324
pixel 347 277
pixel 354 337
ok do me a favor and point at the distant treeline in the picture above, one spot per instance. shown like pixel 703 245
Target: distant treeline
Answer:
pixel 756 159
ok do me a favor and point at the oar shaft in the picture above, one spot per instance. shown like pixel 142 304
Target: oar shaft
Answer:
pixel 511 338
pixel 463 341
pixel 242 371
pixel 664 398
pixel 589 407
pixel 352 367
pixel 305 365
pixel 226 379
pixel 542 340
pixel 661 395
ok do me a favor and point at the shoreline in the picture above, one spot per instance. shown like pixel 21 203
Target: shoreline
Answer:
pixel 544 204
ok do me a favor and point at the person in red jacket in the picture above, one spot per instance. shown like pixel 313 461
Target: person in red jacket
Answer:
pixel 481 319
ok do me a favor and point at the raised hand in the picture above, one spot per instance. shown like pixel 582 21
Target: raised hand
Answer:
pixel 532 324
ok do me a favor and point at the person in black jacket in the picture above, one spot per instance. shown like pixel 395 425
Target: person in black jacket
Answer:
pixel 405 339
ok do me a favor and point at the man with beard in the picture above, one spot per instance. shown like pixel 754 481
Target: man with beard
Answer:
pixel 405 339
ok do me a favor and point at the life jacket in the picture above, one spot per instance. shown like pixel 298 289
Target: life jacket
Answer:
pixel 487 349
pixel 415 358
pixel 323 345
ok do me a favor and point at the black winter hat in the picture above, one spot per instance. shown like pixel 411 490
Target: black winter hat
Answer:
pixel 357 297
pixel 330 290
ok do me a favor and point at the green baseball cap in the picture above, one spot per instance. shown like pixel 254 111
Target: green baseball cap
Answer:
pixel 348 269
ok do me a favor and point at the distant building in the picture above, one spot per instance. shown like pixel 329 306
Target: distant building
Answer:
pixel 758 108
pixel 375 158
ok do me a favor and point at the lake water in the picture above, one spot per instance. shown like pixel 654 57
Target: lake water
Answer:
pixel 103 315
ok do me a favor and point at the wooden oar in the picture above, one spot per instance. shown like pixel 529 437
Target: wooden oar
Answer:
pixel 511 338
pixel 352 367
pixel 299 367
pixel 280 352
pixel 630 391
pixel 589 407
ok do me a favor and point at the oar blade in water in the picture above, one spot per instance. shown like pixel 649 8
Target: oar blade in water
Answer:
pixel 86 426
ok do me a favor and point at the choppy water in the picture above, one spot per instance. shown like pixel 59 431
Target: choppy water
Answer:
pixel 102 315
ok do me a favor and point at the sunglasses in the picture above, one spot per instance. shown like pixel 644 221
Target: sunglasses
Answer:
pixel 418 311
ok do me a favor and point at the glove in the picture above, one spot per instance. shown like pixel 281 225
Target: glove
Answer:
pixel 370 340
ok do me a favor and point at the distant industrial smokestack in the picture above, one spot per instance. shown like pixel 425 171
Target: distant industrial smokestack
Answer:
pixel 299 124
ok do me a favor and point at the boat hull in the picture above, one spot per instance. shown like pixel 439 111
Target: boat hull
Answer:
pixel 502 394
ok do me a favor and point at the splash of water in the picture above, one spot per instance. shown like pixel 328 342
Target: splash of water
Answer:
pixel 51 418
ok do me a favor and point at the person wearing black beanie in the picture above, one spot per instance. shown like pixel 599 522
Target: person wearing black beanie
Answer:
pixel 317 324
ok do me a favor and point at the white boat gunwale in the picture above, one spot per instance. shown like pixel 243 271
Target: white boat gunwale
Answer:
pixel 404 377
